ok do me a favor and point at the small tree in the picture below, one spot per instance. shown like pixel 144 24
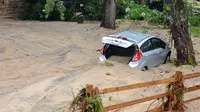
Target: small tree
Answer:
pixel 109 14
pixel 178 17
pixel 53 5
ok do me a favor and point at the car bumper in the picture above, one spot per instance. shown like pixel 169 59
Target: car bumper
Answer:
pixel 131 64
pixel 102 57
pixel 135 65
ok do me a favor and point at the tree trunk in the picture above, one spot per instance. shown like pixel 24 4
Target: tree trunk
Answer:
pixel 109 13
pixel 178 13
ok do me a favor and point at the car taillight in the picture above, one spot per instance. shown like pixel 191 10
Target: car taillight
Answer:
pixel 102 49
pixel 137 56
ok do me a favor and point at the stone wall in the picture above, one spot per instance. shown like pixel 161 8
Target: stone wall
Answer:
pixel 9 7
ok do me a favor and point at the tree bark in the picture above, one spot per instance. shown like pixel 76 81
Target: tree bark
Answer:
pixel 109 14
pixel 178 15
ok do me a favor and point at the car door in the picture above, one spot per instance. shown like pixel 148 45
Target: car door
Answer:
pixel 159 48
pixel 148 53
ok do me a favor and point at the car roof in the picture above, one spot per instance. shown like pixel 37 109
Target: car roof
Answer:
pixel 134 36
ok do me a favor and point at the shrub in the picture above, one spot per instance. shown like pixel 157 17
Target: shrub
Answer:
pixel 156 17
pixel 156 4
pixel 194 19
pixel 70 14
pixel 142 12
pixel 136 12
pixel 91 9
pixel 121 6
pixel 54 7
pixel 31 10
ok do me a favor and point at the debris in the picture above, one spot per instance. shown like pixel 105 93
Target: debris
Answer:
pixel 87 103
pixel 108 73
pixel 106 63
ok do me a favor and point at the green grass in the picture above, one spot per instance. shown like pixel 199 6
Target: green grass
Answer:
pixel 195 31
pixel 106 63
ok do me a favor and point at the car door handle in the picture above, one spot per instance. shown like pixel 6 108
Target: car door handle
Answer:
pixel 157 52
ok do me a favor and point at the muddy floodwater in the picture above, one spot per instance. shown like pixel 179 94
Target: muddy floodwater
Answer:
pixel 43 63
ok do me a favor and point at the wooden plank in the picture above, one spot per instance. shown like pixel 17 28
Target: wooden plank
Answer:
pixel 193 99
pixel 193 88
pixel 138 85
pixel 146 84
pixel 159 109
pixel 126 104
pixel 189 76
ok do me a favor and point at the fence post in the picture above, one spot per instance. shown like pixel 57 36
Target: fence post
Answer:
pixel 176 93
pixel 179 89
pixel 89 90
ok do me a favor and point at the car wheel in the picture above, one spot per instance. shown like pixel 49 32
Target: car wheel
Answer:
pixel 167 58
pixel 145 68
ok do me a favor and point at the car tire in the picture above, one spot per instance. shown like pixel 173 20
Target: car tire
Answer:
pixel 167 58
pixel 145 68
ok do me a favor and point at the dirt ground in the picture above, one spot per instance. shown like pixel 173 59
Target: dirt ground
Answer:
pixel 43 63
